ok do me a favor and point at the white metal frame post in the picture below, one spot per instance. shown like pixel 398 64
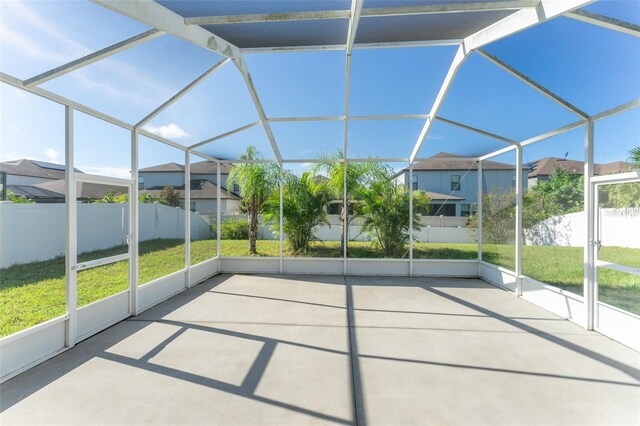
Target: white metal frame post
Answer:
pixel 71 241
pixel 281 219
pixel 345 237
pixel 479 211
pixel 518 270
pixel 411 219
pixel 589 247
pixel 218 212
pixel 187 217
pixel 134 227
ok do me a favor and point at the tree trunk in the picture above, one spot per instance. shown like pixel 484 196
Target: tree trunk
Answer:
pixel 342 210
pixel 253 229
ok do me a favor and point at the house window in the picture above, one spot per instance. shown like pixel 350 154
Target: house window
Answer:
pixel 415 182
pixel 193 206
pixel 513 181
pixel 333 208
pixel 455 182
pixel 236 187
pixel 140 182
pixel 465 210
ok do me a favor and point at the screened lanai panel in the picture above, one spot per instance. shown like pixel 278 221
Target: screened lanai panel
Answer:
pixel 39 36
pixel 499 211
pixel 624 10
pixel 454 140
pixel 614 139
pixel 234 146
pixel 195 8
pixel 101 148
pixel 309 139
pixel 161 204
pixel 486 97
pixel 299 84
pixel 448 26
pixel 203 205
pixel 397 81
pixel 553 217
pixel 594 68
pixel 383 138
pixel 32 251
pixel 131 84
pixel 219 104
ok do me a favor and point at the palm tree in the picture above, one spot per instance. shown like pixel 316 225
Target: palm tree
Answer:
pixel 358 175
pixel 634 157
pixel 257 181
pixel 303 208
pixel 385 208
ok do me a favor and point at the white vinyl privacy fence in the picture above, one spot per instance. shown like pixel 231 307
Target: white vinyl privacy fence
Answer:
pixel 33 232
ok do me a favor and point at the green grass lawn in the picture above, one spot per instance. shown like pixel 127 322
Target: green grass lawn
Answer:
pixel 35 292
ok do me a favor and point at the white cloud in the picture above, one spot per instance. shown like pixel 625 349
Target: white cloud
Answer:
pixel 20 93
pixel 52 155
pixel 170 131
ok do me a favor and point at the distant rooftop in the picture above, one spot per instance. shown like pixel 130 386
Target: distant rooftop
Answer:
pixel 34 168
pixel 546 166
pixel 201 167
pixel 447 161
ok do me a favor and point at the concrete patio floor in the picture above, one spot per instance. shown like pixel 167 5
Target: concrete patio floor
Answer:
pixel 321 349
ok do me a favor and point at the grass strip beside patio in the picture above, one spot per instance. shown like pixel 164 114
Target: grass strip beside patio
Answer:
pixel 35 292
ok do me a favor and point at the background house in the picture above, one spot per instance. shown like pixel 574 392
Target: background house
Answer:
pixel 203 185
pixel 540 170
pixel 43 182
pixel 451 181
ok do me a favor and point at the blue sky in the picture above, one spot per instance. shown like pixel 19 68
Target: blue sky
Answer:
pixel 593 68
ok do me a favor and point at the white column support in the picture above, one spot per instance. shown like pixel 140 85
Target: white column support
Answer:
pixel 93 57
pixel 281 218
pixel 134 226
pixel 218 210
pixel 589 247
pixel 71 240
pixel 479 210
pixel 518 226
pixel 181 93
pixel 345 237
pixel 458 60
pixel 410 219
pixel 533 84
pixel 187 217
pixel 605 22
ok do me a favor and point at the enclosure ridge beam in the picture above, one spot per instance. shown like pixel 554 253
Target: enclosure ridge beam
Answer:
pixel 155 15
pixel 289 119
pixel 224 135
pixel 93 57
pixel 521 20
pixel 605 22
pixel 458 60
pixel 370 13
pixel 476 130
pixel 356 46
pixel 182 92
pixel 533 84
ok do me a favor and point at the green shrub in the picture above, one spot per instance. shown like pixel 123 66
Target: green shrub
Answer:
pixel 234 230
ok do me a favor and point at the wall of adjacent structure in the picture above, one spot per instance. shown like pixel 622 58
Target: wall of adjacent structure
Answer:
pixel 22 224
